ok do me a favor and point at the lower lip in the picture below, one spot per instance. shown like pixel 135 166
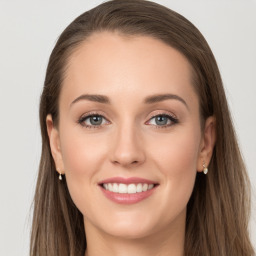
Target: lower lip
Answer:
pixel 127 198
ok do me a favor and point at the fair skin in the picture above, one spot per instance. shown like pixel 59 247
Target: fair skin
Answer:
pixel 129 141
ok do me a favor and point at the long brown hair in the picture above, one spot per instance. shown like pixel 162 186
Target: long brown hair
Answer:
pixel 218 210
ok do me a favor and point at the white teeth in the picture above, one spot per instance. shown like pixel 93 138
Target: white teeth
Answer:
pixel 127 188
pixel 145 187
pixel 150 186
pixel 110 187
pixel 122 188
pixel 132 189
pixel 139 188
pixel 115 187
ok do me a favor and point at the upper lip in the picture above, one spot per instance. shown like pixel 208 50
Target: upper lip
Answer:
pixel 134 180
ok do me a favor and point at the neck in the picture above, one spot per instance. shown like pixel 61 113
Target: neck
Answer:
pixel 167 242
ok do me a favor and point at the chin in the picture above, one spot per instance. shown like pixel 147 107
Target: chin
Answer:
pixel 130 228
pixel 129 232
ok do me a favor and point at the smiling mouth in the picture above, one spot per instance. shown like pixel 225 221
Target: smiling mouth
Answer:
pixel 132 188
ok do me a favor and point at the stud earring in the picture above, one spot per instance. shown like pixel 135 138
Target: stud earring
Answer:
pixel 60 177
pixel 205 169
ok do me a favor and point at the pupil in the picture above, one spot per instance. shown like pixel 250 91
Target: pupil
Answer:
pixel 96 120
pixel 162 119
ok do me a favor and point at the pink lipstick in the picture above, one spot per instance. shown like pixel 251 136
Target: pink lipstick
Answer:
pixel 127 190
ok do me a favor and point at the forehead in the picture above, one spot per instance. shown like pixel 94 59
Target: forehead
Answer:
pixel 122 66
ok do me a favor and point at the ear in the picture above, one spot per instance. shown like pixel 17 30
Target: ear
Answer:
pixel 207 143
pixel 54 140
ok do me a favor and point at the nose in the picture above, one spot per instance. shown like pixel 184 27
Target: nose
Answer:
pixel 127 147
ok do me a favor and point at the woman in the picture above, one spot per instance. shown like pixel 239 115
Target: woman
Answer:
pixel 139 155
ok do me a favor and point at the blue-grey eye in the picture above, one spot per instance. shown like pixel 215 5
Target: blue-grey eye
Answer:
pixel 95 120
pixel 161 120
pixel 92 120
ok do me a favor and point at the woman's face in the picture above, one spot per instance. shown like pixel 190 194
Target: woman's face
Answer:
pixel 144 123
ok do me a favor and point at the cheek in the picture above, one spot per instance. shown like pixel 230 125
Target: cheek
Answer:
pixel 177 161
pixel 181 147
pixel 78 155
pixel 81 151
pixel 179 156
pixel 82 159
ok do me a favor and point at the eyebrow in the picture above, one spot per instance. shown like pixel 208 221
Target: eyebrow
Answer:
pixel 93 97
pixel 148 100
pixel 161 97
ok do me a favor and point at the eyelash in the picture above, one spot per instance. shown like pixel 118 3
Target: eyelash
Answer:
pixel 173 120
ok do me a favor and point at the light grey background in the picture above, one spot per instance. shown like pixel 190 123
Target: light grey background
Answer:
pixel 28 32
